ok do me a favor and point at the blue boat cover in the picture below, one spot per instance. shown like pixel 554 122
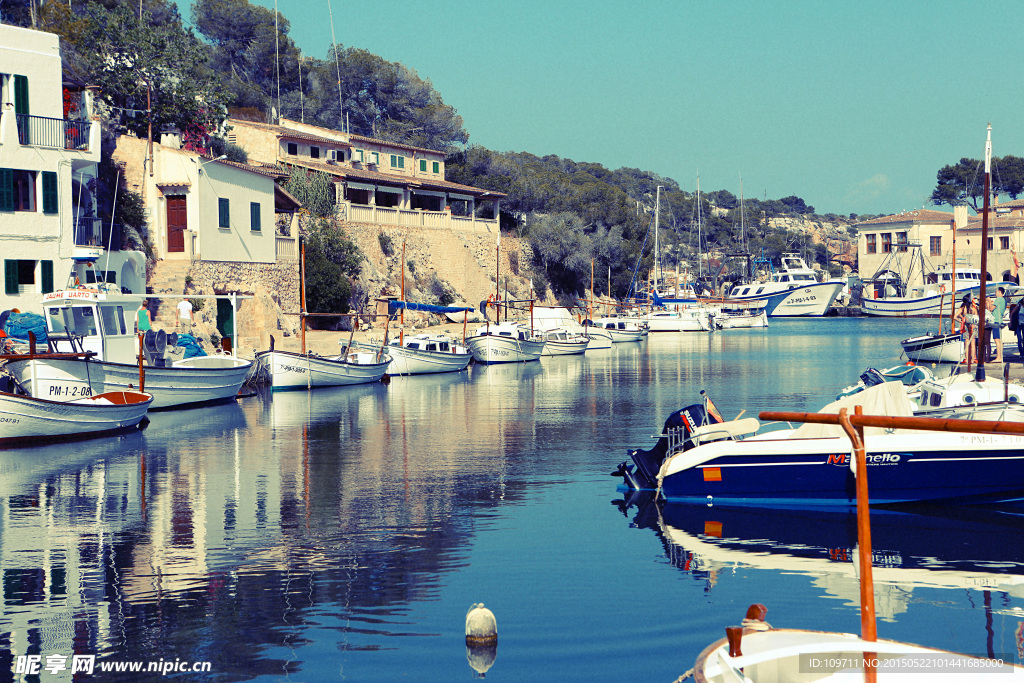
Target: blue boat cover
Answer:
pixel 192 347
pixel 427 308
pixel 18 325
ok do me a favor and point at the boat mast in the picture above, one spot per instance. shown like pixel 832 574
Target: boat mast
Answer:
pixel 657 253
pixel 983 287
pixel 952 289
pixel 700 260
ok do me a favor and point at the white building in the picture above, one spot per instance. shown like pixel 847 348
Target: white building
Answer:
pixel 49 151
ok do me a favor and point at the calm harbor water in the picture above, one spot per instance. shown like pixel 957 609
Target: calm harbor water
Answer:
pixel 343 534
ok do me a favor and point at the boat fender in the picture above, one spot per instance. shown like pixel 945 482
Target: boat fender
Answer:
pixel 481 626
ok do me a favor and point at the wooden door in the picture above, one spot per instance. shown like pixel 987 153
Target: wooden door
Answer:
pixel 177 222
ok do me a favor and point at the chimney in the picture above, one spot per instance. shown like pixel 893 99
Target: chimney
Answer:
pixel 960 215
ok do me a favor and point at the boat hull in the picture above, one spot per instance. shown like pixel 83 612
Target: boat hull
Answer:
pixel 727 321
pixel 676 321
pixel 490 348
pixel 934 348
pixel 902 468
pixel 287 370
pixel 564 348
pixel 806 301
pixel 941 304
pixel 193 381
pixel 405 361
pixel 26 420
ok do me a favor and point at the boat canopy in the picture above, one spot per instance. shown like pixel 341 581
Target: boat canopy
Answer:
pixel 427 308
pixel 887 398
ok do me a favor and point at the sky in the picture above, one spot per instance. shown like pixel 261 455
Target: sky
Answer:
pixel 852 106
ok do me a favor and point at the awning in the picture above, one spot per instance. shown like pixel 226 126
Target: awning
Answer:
pixel 395 305
pixel 361 186
pixel 463 197
pixel 390 190
pixel 442 195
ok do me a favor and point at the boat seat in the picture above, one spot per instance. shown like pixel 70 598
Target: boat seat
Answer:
pixel 732 429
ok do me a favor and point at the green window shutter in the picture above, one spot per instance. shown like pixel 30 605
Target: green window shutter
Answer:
pixel 10 276
pixel 50 204
pixel 47 276
pixel 6 189
pixel 21 95
pixel 254 216
pixel 225 213
pixel 401 162
pixel 437 167
pixel 423 165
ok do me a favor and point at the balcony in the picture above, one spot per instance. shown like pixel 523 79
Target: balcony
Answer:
pixel 41 131
pixel 95 232
pixel 381 215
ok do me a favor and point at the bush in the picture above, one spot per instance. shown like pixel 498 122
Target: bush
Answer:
pixel 385 243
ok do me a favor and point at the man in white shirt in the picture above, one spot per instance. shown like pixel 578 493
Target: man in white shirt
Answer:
pixel 185 316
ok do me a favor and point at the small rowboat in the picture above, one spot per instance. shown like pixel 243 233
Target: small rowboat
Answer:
pixel 25 420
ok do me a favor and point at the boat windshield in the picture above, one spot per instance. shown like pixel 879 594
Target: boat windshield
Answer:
pixel 81 319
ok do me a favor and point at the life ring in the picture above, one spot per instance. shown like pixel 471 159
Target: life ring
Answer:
pixel 942 289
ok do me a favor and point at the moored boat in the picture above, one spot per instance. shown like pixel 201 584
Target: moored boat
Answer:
pixel 286 370
pixel 739 463
pixel 506 342
pixel 422 354
pixel 27 420
pixel 621 329
pixel 934 348
pixel 101 319
pixel 792 291
pixel 559 342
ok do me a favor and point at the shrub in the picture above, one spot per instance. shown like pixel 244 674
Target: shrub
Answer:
pixel 385 243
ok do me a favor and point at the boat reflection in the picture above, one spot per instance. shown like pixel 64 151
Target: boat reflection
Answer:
pixel 978 549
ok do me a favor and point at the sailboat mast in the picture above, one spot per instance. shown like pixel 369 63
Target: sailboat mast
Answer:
pixel 983 287
pixel 700 219
pixel 657 252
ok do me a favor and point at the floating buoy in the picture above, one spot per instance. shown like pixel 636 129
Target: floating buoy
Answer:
pixel 481 638
pixel 481 626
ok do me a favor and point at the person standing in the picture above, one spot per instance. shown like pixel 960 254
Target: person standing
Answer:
pixel 145 323
pixel 997 325
pixel 185 316
pixel 967 319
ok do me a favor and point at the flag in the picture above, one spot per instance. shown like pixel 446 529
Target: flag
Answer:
pixel 710 409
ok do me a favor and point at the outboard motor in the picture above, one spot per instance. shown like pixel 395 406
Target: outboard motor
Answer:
pixel 154 343
pixel 678 429
pixel 871 377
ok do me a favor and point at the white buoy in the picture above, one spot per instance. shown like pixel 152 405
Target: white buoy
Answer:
pixel 481 638
pixel 481 626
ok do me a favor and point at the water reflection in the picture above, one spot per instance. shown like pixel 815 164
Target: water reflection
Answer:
pixel 287 533
pixel 969 549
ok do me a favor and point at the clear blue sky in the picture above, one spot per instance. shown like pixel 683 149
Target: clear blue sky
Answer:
pixel 853 106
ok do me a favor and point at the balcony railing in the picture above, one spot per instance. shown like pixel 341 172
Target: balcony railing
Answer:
pixel 287 248
pixel 95 232
pixel 41 131
pixel 370 213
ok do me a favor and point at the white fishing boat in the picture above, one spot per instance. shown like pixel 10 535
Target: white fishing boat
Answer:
pixel 285 370
pixel 734 320
pixel 934 348
pixel 101 319
pixel 557 317
pixel 28 420
pixel 622 330
pixel 891 297
pixel 679 318
pixel 560 342
pixel 422 354
pixel 506 342
pixel 793 290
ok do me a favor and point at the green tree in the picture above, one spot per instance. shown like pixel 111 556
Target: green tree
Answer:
pixel 332 261
pixel 959 183
pixel 135 63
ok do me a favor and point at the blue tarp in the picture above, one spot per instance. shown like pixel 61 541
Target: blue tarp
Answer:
pixel 428 308
pixel 192 347
pixel 18 325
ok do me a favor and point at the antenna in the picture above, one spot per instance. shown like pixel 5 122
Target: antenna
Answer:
pixel 341 107
pixel 277 62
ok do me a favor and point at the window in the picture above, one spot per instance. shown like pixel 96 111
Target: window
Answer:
pixel 397 161
pixel 46 268
pixel 989 245
pixel 935 245
pixel 224 211
pixel 437 167
pixel 314 152
pixel 871 246
pixel 886 242
pixel 1004 243
pixel 254 216
pixel 112 318
pixel 901 241
pixel 293 149
pixel 374 158
pixel 357 155
pixel 24 189
pixel 423 165
pixel 49 192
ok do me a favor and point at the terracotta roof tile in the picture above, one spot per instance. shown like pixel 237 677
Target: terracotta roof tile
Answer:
pixel 918 216
pixel 343 172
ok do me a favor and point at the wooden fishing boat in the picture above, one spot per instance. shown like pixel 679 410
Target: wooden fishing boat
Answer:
pixel 27 420
pixel 286 370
